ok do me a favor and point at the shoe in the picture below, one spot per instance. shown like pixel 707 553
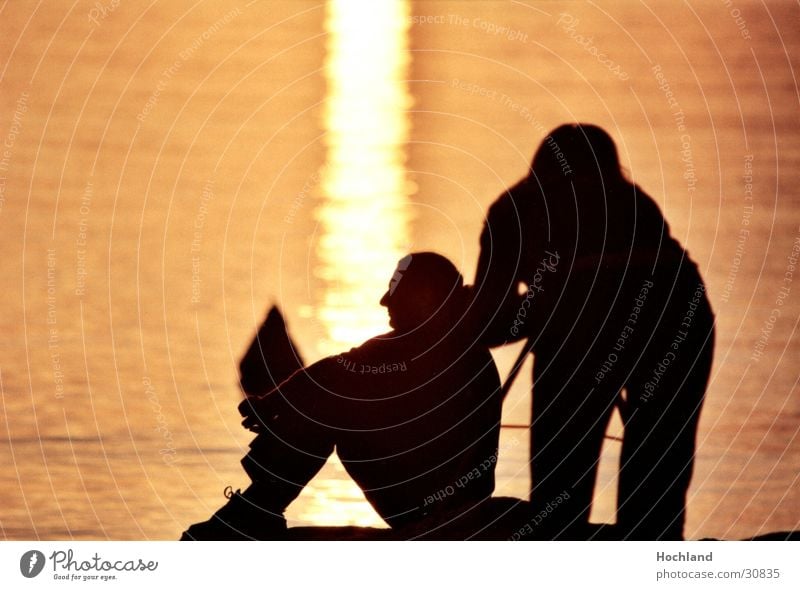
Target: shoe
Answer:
pixel 239 520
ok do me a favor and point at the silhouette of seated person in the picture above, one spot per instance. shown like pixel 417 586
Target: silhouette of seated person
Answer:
pixel 580 262
pixel 413 414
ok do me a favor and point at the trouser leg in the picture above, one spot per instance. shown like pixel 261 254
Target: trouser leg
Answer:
pixel 280 466
pixel 568 425
pixel 658 448
pixel 281 461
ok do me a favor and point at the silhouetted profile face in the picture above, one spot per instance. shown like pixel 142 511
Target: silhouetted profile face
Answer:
pixel 425 287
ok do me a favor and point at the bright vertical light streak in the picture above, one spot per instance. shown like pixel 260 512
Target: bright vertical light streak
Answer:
pixel 363 216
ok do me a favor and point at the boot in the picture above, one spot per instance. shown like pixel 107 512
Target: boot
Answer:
pixel 241 519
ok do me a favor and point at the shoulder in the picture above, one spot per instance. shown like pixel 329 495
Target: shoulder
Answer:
pixel 505 215
pixel 642 198
pixel 512 201
pixel 648 212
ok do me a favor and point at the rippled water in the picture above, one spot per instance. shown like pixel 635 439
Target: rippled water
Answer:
pixel 166 175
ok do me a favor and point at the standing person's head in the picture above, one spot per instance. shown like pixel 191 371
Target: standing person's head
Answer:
pixel 426 288
pixel 577 153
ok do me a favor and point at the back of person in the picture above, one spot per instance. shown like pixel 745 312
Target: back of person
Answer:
pixel 418 429
pixel 584 249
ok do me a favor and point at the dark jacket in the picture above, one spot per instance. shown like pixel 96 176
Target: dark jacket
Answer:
pixel 550 266
pixel 414 418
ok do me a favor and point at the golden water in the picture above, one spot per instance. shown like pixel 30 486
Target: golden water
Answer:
pixel 169 171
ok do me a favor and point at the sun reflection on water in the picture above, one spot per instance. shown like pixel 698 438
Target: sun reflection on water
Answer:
pixel 363 215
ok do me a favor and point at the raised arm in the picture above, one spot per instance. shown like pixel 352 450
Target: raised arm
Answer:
pixel 496 300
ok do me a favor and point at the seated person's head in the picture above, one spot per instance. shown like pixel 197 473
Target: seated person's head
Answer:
pixel 425 290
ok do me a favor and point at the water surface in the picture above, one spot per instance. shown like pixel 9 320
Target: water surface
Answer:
pixel 170 171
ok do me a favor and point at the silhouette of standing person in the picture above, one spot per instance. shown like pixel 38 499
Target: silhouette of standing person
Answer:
pixel 580 262
pixel 414 415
